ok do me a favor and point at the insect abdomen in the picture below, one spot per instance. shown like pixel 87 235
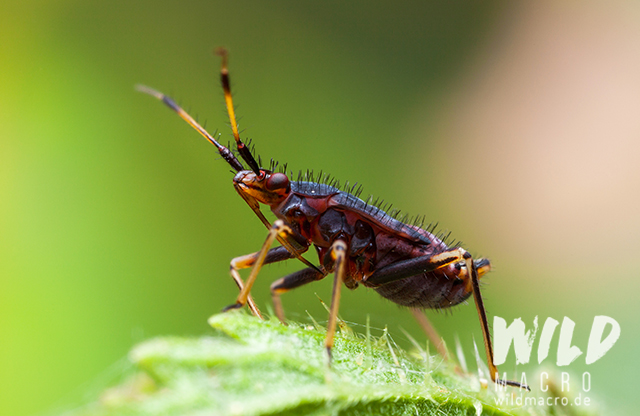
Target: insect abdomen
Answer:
pixel 426 291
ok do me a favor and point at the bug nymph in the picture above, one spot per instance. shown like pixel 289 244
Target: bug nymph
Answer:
pixel 358 242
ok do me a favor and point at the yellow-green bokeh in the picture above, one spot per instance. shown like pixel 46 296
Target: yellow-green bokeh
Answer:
pixel 117 222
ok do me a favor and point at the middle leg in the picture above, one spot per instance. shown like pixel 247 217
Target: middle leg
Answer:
pixel 292 281
pixel 338 255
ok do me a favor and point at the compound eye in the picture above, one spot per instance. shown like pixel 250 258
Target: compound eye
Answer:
pixel 277 181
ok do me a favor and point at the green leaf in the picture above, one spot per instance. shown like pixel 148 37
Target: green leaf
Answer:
pixel 255 367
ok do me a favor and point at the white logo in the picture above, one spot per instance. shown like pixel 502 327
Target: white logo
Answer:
pixel 523 341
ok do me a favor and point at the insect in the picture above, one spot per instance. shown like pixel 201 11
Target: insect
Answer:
pixel 358 242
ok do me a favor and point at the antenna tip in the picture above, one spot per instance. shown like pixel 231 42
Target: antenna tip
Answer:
pixel 150 91
pixel 221 51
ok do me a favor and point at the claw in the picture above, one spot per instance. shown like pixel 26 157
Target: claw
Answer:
pixel 233 306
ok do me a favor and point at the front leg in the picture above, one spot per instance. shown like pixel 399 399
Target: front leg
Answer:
pixel 244 262
pixel 278 230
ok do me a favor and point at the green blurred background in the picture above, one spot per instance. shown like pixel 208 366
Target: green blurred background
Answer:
pixel 513 126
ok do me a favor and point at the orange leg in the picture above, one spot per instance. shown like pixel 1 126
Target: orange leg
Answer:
pixel 338 254
pixel 407 268
pixel 277 229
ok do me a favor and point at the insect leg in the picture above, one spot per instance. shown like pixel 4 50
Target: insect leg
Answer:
pixel 294 242
pixel 277 229
pixel 289 282
pixel 482 266
pixel 418 265
pixel 485 326
pixel 338 254
pixel 244 262
pixel 431 332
